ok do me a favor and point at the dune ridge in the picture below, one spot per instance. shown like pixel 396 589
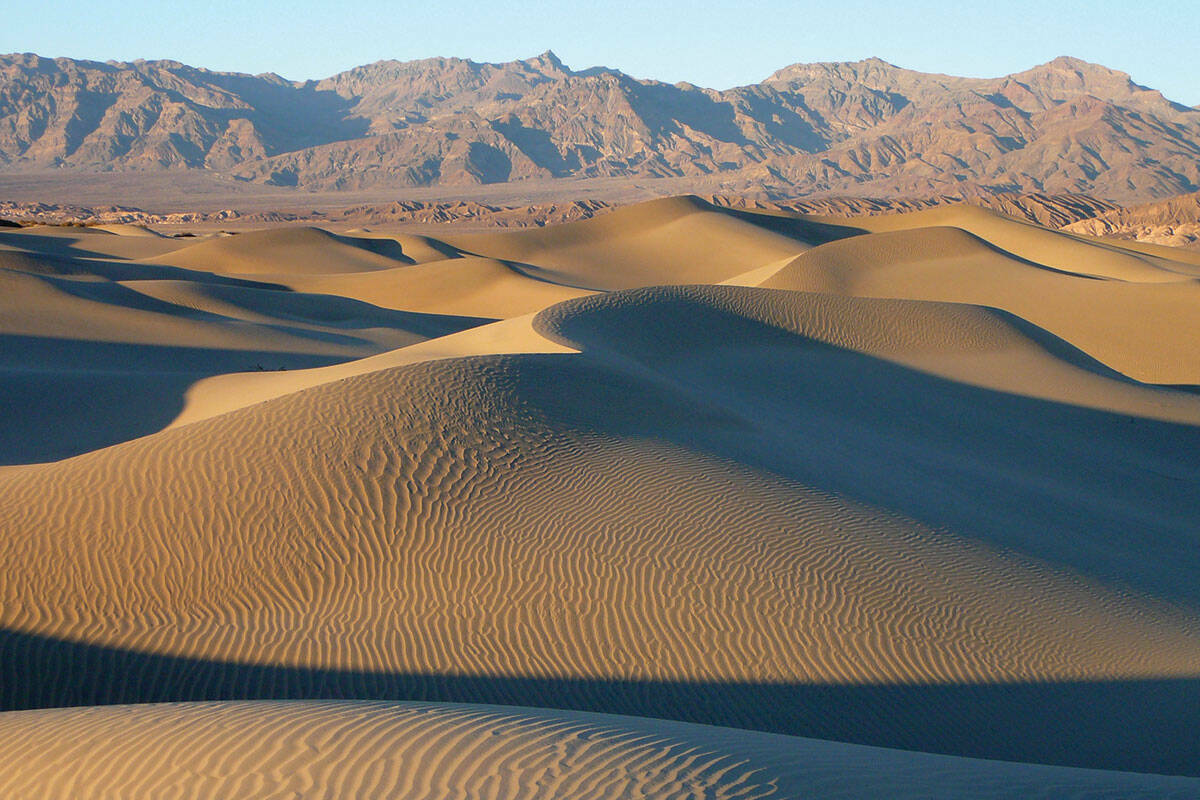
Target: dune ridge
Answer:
pixel 1127 310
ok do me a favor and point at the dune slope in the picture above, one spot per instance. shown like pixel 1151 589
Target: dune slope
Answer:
pixel 289 251
pixel 670 241
pixel 99 348
pixel 1138 320
pixel 721 463
pixel 425 750
pixel 929 487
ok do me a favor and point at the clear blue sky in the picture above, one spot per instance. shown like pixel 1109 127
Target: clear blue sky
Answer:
pixel 708 43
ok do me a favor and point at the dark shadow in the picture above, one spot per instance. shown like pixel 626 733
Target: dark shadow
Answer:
pixel 998 99
pixel 39 244
pixel 1102 495
pixel 537 145
pixel 289 116
pixel 901 243
pixel 785 117
pixel 285 177
pixel 1181 387
pixel 318 317
pixel 69 262
pixel 447 250
pixel 488 164
pixel 62 397
pixel 86 395
pixel 47 353
pixel 49 416
pixel 330 312
pixel 389 248
pixel 90 109
pixel 1133 725
pixel 664 107
pixel 809 231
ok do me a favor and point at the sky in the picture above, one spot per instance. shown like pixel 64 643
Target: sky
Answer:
pixel 712 44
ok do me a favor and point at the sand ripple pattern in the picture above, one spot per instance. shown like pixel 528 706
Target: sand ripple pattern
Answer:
pixel 610 516
pixel 446 752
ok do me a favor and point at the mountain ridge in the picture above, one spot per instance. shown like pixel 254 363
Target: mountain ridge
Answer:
pixel 863 127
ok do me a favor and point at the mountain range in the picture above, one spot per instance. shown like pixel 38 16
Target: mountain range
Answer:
pixel 861 128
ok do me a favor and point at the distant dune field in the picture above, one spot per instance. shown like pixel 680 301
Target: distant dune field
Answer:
pixel 678 501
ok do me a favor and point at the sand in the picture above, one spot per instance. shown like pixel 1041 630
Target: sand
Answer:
pixel 365 749
pixel 1134 315
pixel 928 487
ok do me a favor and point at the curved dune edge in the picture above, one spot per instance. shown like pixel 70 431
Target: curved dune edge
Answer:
pixel 1145 330
pixel 298 250
pixel 994 351
pixel 224 393
pixel 446 751
pixel 674 240
pixel 125 229
pixel 1141 329
pixel 757 276
pixel 973 345
pixel 1088 255
pixel 462 285
pixel 90 242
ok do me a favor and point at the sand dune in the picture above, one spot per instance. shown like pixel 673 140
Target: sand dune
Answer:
pixel 1139 324
pixel 121 229
pixel 1089 256
pixel 289 251
pixel 426 750
pixel 462 500
pixel 469 285
pixel 672 241
pixel 929 488
pixel 222 393
pixel 87 242
pixel 99 348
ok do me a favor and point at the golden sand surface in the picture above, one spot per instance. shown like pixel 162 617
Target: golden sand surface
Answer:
pixel 683 501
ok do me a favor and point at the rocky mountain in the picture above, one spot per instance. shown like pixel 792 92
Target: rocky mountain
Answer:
pixel 1174 221
pixel 842 128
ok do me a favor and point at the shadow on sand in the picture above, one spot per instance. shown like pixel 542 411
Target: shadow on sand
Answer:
pixel 1133 725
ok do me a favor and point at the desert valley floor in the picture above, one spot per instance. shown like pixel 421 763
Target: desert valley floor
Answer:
pixel 679 501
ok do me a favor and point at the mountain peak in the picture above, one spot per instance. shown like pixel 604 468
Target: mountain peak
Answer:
pixel 547 63
pixel 1071 62
pixel 1076 65
pixel 825 127
pixel 847 70
pixel 876 61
